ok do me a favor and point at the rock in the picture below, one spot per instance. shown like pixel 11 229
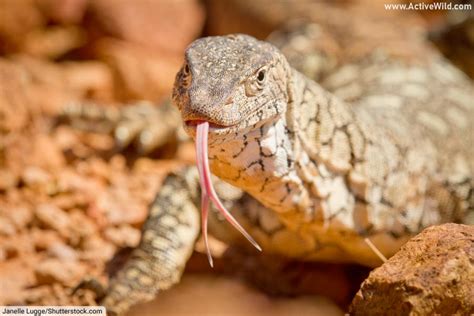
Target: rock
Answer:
pixel 81 224
pixel 7 228
pixel 62 252
pixel 15 274
pixel 44 239
pixel 54 270
pixel 20 216
pixel 18 245
pixel 35 176
pixel 123 236
pixel 431 274
pixel 8 179
pixel 93 78
pixel 53 217
pixel 13 103
pixel 17 19
pixel 141 72
pixel 53 42
pixel 64 11
pixel 142 42
pixel 149 23
pixel 47 153
pixel 96 248
pixel 120 207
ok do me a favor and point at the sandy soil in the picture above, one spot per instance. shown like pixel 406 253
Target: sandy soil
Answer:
pixel 209 295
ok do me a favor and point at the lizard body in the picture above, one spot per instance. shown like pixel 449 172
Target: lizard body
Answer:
pixel 334 173
pixel 380 147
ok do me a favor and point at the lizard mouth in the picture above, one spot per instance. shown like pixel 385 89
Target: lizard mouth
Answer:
pixel 190 126
pixel 194 123
pixel 208 193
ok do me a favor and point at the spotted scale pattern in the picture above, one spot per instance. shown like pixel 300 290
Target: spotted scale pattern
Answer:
pixel 168 238
pixel 336 167
pixel 379 148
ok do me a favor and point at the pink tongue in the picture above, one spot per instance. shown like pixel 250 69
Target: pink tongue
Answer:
pixel 207 190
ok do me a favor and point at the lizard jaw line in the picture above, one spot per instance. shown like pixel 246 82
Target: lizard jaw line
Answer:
pixel 217 130
pixel 208 193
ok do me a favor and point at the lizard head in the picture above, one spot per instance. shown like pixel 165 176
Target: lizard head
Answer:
pixel 233 82
pixel 228 86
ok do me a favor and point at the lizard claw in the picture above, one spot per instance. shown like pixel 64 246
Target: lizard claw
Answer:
pixel 91 284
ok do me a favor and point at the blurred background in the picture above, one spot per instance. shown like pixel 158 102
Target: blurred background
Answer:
pixel 70 202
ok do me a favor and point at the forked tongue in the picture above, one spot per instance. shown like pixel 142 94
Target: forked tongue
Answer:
pixel 207 190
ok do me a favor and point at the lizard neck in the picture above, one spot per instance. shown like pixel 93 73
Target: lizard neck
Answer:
pixel 301 164
pixel 263 160
pixel 261 163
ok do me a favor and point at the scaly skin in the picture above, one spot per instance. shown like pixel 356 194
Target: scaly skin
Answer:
pixel 311 173
pixel 311 176
pixel 167 243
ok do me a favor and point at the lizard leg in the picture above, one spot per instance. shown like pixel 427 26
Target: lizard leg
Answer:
pixel 134 124
pixel 168 238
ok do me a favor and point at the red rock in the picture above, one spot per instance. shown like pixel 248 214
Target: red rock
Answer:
pixel 54 270
pixel 142 42
pixel 44 239
pixel 53 42
pixel 45 89
pixel 38 295
pixel 35 176
pixel 119 206
pixel 81 224
pixel 93 79
pixel 20 216
pixel 141 72
pixel 13 101
pixel 431 274
pixel 96 248
pixel 53 217
pixel 150 23
pixel 123 236
pixel 62 252
pixel 7 228
pixel 15 274
pixel 17 19
pixel 64 11
pixel 17 245
pixel 8 179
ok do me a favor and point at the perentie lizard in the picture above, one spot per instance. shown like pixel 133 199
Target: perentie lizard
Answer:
pixel 307 172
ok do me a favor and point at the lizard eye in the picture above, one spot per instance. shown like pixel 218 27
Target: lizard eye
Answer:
pixel 256 83
pixel 261 75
